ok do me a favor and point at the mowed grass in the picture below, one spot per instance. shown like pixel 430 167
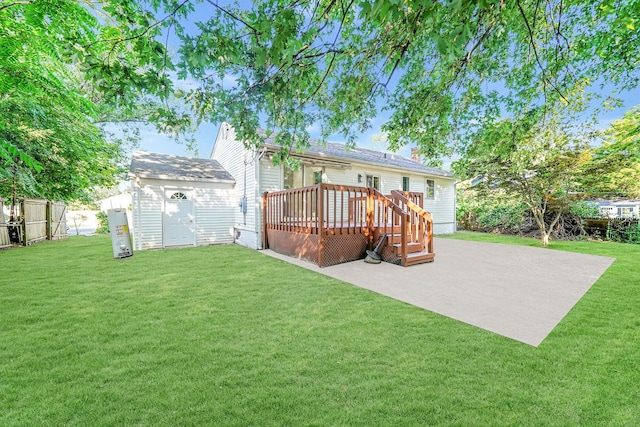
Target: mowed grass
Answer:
pixel 224 335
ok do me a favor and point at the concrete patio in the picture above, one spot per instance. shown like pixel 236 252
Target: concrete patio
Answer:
pixel 516 291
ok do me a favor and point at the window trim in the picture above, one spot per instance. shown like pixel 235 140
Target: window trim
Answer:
pixel 373 178
pixel 178 195
pixel 406 187
pixel 429 189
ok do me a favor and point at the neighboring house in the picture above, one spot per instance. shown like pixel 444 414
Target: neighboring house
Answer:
pixel 119 201
pixel 255 174
pixel 180 201
pixel 619 208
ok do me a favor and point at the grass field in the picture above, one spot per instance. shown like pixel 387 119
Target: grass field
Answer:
pixel 223 335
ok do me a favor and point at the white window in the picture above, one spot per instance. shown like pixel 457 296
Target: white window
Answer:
pixel 430 192
pixel 373 181
pixel 179 196
pixel 625 211
pixel 312 175
pixel 305 176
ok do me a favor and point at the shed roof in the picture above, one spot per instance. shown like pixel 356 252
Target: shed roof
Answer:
pixel 168 166
pixel 336 150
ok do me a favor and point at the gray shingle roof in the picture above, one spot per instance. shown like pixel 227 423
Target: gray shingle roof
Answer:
pixel 167 166
pixel 338 151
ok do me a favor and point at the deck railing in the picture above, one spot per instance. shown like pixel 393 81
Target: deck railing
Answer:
pixel 330 210
pixel 340 214
pixel 319 208
pixel 390 216
pixel 293 210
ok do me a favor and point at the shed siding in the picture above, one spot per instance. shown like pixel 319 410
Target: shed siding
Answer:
pixel 213 215
pixel 213 211
pixel 148 216
pixel 135 200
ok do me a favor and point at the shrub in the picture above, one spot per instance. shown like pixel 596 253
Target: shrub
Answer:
pixel 508 216
pixel 624 230
pixel 103 223
pixel 583 209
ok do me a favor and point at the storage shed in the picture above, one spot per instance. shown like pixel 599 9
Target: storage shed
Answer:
pixel 180 201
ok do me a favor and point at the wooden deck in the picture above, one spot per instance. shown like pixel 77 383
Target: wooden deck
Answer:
pixel 330 224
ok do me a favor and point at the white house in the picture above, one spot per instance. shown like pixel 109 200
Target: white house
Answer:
pixel 255 174
pixel 180 201
pixel 619 208
pixel 119 201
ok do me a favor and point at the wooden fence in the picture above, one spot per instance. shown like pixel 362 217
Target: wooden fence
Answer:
pixel 34 220
pixel 4 231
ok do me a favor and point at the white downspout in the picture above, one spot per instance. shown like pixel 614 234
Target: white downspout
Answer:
pixel 258 206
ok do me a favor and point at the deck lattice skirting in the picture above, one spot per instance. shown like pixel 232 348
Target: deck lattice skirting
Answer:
pixel 330 224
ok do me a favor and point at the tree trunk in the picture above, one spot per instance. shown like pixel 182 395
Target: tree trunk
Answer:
pixel 545 239
pixel 14 195
pixel 538 216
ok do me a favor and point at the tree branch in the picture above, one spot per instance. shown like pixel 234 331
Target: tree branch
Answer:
pixel 328 70
pixel 535 52
pixel 233 16
pixel 143 32
pixel 15 3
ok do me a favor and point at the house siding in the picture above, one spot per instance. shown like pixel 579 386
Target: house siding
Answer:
pixel 619 208
pixel 443 207
pixel 270 176
pixel 242 164
pixel 262 176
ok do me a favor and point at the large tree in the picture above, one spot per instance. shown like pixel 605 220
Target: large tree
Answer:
pixel 535 162
pixel 614 170
pixel 441 69
pixel 66 67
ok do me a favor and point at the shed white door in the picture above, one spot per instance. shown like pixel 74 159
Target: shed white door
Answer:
pixel 179 225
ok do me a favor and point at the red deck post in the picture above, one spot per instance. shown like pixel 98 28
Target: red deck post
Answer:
pixel 265 240
pixel 370 211
pixel 320 210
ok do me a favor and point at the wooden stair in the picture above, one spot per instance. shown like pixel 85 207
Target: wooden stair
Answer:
pixel 419 258
pixel 393 252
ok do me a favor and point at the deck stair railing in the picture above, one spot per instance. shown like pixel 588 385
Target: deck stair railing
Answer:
pixel 420 221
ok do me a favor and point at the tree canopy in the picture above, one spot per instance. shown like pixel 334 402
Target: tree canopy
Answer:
pixel 442 71
pixel 537 164
pixel 614 170
pixel 65 68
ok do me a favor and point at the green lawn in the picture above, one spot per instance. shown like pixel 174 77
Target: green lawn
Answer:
pixel 223 335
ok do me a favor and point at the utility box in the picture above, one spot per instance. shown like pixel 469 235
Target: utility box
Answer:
pixel 119 230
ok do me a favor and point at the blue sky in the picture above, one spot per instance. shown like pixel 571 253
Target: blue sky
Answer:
pixel 206 134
